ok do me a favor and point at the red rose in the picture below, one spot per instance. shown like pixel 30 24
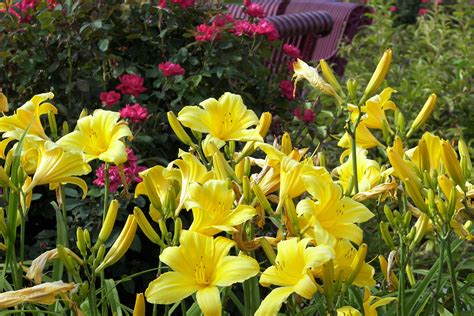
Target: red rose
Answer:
pixel 109 98
pixel 169 69
pixel 134 112
pixel 291 50
pixel 131 84
pixel 184 3
pixel 255 10
pixel 308 116
pixel 286 88
pixel 266 28
pixel 207 33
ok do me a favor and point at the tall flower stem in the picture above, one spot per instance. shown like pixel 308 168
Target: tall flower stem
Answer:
pixel 401 283
pixel 452 274
pixel 104 214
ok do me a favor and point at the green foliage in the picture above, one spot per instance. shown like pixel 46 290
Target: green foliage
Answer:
pixel 434 55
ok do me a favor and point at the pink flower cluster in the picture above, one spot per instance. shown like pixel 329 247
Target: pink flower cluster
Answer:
pixel 20 9
pixel 130 169
pixel 131 84
pixel 291 51
pixel 109 98
pixel 286 89
pixel 207 33
pixel 184 3
pixel 134 112
pixel 170 69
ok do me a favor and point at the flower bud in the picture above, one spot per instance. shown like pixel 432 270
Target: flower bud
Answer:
pixel 466 164
pixel 65 258
pixel 379 75
pixel 246 190
pixel 3 102
pixel 357 263
pixel 411 235
pixel 163 229
pixel 179 130
pixel 65 130
pixel 322 159
pixel 352 89
pixel 87 238
pixel 452 203
pixel 286 145
pixel 80 243
pixel 423 156
pixel 416 194
pixel 178 227
pixel 328 75
pixel 222 168
pixel 146 227
pixel 407 219
pixel 386 235
pixel 5 179
pixel 264 124
pixel 268 249
pixel 83 113
pixel 387 271
pixel 400 122
pixel 121 244
pixel 262 199
pixel 99 256
pixel 139 309
pixel 52 124
pixel 420 226
pixel 410 276
pixel 389 215
pixel 328 279
pixel 247 167
pixel 424 114
pixel 452 164
pixel 291 212
pixel 108 223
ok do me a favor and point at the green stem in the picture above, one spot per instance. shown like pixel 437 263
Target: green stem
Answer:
pixel 401 283
pixel 442 242
pixel 104 311
pixel 92 296
pixel 452 274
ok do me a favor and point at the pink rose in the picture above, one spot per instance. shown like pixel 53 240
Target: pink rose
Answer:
pixel 423 11
pixel 169 69
pixel 184 3
pixel 222 19
pixel 134 112
pixel 297 113
pixel 131 84
pixel 393 9
pixel 291 50
pixel 247 3
pixel 162 4
pixel 206 33
pixel 243 27
pixel 286 88
pixel 266 28
pixel 255 10
pixel 109 98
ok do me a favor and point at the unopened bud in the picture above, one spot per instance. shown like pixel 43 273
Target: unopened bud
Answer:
pixel 386 235
pixel 322 159
pixel 286 145
pixel 400 122
pixel 80 243
pixel 352 89
pixel 421 225
pixel 379 74
pixel 179 130
pixel 389 215
pixel 99 256
pixel 246 190
pixel 65 130
pixel 424 114
pixel 52 124
pixel 466 163
pixel 407 219
pixel 146 227
pixel 108 223
pixel 3 102
pixel 423 156
pixel 410 276
pixel 328 75
pixel 178 227
pixel 268 249
pixel 139 309
pixel 87 238
pixel 262 199
pixel 452 164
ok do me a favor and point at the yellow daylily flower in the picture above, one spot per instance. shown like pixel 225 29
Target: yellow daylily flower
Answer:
pixel 200 265
pixel 99 136
pixel 292 273
pixel 156 186
pixel 56 166
pixel 39 294
pixel 364 138
pixel 212 204
pixel 452 164
pixel 375 108
pixel 225 119
pixel 28 116
pixel 332 216
pixel 345 262
pixel 433 148
pixel 348 311
pixel 371 309
pixel 303 71
pixel 190 170
pixel 368 171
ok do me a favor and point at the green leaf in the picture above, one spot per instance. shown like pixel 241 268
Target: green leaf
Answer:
pixel 104 44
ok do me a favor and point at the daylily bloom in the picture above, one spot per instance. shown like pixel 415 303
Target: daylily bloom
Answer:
pixel 224 119
pixel 212 204
pixel 364 138
pixel 304 71
pixel 348 311
pixel 190 169
pixel 433 147
pixel 99 136
pixel 40 294
pixel 333 215
pixel 156 186
pixel 56 166
pixel 3 103
pixel 374 109
pixel 368 171
pixel 345 262
pixel 28 116
pixel 292 273
pixel 371 309
pixel 200 264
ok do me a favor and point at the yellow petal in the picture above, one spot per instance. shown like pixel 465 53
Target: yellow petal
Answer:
pixel 40 294
pixel 272 303
pixel 139 309
pixel 305 287
pixel 233 269
pixel 170 287
pixel 209 301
